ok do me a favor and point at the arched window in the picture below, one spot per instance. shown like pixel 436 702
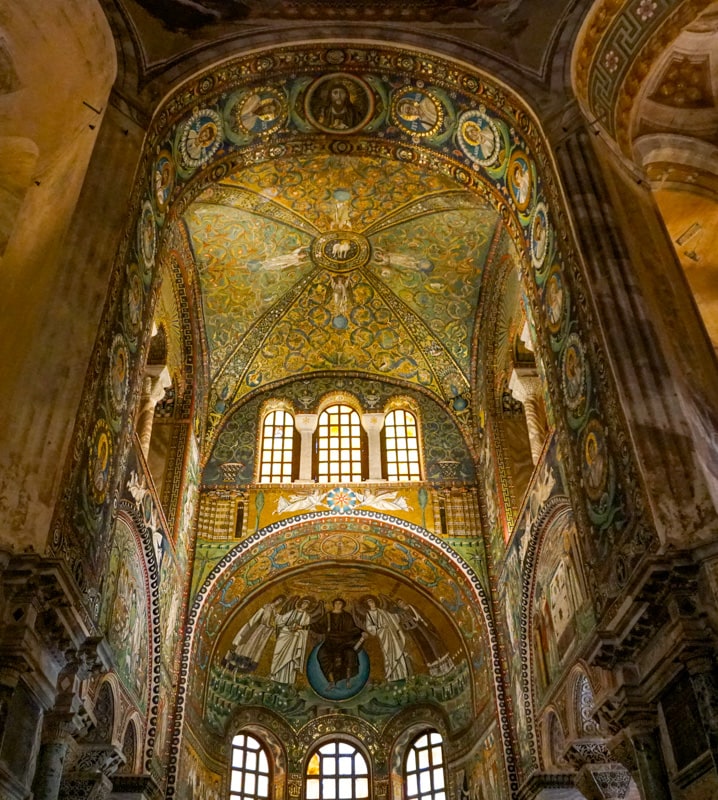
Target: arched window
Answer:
pixel 337 771
pixel 278 451
pixel 401 446
pixel 250 776
pixel 424 772
pixel 339 445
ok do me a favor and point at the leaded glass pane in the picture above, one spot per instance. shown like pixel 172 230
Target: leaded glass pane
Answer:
pixel 401 446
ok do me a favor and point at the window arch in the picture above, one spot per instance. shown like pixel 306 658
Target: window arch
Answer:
pixel 400 451
pixel 278 459
pixel 424 768
pixel 340 453
pixel 337 770
pixel 250 776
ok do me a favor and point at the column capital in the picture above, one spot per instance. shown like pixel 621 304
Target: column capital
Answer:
pixel 160 380
pixel 372 422
pixel 525 384
pixel 306 423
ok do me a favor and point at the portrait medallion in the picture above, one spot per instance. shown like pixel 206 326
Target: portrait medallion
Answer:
pixel 417 112
pixel 200 138
pixel 539 235
pixel 259 111
pixel 99 462
pixel 479 137
pixel 339 103
pixel 118 375
pixel 519 179
pixel 164 177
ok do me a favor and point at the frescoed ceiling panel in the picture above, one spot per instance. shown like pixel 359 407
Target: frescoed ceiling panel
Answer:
pixel 344 263
pixel 439 275
pixel 234 251
pixel 341 191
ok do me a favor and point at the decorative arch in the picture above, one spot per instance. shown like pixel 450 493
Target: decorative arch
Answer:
pixel 145 703
pixel 105 710
pixel 583 698
pixel 519 184
pixel 374 541
pixel 131 741
pixel 553 739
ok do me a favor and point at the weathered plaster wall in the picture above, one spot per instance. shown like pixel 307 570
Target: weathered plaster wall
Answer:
pixel 64 62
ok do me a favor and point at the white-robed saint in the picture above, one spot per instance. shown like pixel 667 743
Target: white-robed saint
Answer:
pixel 387 628
pixel 252 638
pixel 291 644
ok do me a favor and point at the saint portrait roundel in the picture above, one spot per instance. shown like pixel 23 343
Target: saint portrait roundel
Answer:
pixel 201 137
pixel 539 236
pixel 339 103
pixel 164 177
pixel 574 375
pixel 118 375
pixel 258 112
pixel 519 179
pixel 417 112
pixel 479 137
pixel 99 462
pixel 555 299
pixel 595 460
pixel 147 236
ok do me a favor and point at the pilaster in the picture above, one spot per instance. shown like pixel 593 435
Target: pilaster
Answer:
pixel 625 254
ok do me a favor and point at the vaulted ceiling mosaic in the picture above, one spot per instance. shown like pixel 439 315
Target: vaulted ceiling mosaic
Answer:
pixel 338 262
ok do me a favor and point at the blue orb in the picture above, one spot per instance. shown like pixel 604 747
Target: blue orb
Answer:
pixel 340 690
pixel 340 322
pixel 460 403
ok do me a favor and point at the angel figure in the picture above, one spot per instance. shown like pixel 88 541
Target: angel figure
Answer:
pixel 385 623
pixel 252 638
pixel 300 502
pixel 290 648
pixel 384 501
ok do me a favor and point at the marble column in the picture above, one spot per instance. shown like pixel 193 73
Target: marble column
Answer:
pixel 525 386
pixel 373 424
pixel 155 383
pixel 637 747
pixel 306 424
pixel 59 730
pixel 704 682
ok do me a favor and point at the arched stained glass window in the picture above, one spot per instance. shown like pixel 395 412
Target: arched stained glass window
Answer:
pixel 337 771
pixel 249 779
pixel 425 779
pixel 339 450
pixel 401 446
pixel 277 462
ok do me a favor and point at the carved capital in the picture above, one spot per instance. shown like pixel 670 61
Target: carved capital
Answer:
pixel 306 423
pixel 587 751
pixel 87 759
pixel 603 782
pixel 372 422
pixel 143 787
pixel 95 787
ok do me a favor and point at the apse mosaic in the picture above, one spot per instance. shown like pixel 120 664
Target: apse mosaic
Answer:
pixel 335 634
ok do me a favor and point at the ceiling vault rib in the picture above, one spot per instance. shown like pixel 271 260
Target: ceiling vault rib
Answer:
pixel 424 206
